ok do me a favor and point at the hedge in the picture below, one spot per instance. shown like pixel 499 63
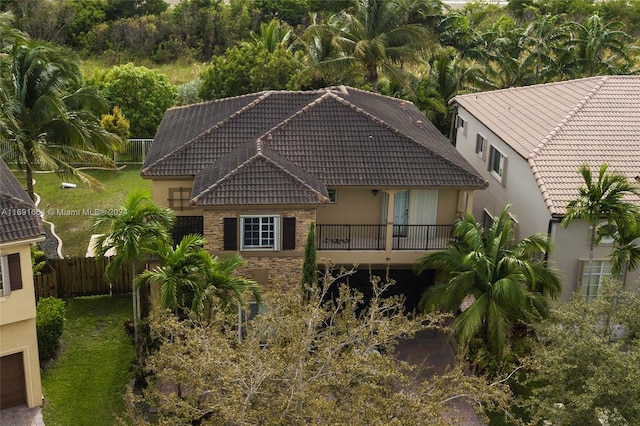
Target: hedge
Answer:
pixel 50 317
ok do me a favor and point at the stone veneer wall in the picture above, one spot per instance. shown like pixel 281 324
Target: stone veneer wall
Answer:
pixel 279 270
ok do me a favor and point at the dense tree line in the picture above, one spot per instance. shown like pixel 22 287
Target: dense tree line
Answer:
pixel 417 49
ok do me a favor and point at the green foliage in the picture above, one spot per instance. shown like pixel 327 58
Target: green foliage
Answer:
pixel 50 317
pixel 293 12
pixel 578 374
pixel 38 259
pixel 142 94
pixel 50 118
pixel 191 279
pixel 316 363
pixel 247 69
pixel 116 123
pixel 309 265
pixel 498 278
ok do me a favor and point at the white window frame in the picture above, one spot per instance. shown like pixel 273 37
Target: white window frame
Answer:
pixel 481 146
pixel 602 272
pixel 5 284
pixel 263 240
pixel 498 174
pixel 461 123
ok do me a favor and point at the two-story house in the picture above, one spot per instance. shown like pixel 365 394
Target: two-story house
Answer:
pixel 529 143
pixel 251 173
pixel 20 226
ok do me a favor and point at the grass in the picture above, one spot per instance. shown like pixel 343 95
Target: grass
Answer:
pixel 72 210
pixel 86 384
pixel 179 72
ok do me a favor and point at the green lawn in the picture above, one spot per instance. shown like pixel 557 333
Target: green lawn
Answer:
pixel 72 210
pixel 86 384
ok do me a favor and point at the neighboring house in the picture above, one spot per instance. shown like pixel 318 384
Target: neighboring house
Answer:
pixel 20 226
pixel 251 173
pixel 529 143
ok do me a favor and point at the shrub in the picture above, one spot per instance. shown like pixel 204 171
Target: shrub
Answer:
pixel 49 325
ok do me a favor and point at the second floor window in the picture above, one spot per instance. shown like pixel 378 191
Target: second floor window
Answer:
pixel 481 143
pixel 497 163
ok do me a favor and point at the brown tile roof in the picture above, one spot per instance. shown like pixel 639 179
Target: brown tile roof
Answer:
pixel 300 143
pixel 18 217
pixel 559 126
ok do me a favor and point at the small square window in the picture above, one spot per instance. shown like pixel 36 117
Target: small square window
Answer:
pixel 461 124
pixel 481 143
pixel 333 195
pixel 260 232
pixel 497 162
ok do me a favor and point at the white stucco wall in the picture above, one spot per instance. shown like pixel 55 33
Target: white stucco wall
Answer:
pixel 570 245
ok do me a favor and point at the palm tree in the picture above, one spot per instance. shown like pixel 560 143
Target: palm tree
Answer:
pixel 597 48
pixel 377 38
pixel 131 232
pixel 48 116
pixel 542 41
pixel 502 280
pixel 190 277
pixel 603 199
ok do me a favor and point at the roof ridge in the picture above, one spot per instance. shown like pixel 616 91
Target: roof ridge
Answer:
pixel 551 136
pixel 264 95
pixel 17 200
pixel 219 100
pixel 367 114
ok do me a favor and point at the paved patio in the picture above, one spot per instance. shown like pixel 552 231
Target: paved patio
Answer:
pixel 21 415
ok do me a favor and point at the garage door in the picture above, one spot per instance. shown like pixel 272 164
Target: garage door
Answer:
pixel 408 284
pixel 13 389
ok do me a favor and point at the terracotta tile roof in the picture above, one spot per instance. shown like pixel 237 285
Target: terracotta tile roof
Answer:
pixel 18 217
pixel 300 143
pixel 558 127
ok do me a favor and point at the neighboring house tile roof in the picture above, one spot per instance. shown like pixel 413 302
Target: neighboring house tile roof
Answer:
pixel 559 126
pixel 287 147
pixel 18 218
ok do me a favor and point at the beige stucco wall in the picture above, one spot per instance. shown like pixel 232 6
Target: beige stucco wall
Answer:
pixel 18 324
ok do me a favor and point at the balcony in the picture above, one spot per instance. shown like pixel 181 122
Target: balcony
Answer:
pixel 374 237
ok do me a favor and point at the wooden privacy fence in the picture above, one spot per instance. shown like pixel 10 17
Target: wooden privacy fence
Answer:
pixel 79 276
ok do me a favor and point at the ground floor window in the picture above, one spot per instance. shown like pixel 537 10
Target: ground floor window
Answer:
pixel 592 278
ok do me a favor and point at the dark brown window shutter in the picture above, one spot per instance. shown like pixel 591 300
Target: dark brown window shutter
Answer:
pixel 289 233
pixel 15 272
pixel 230 233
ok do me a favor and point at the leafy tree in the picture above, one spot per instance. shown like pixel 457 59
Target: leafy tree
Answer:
pixel 119 9
pixel 272 35
pixel 500 277
pixel 131 232
pixel 293 12
pixel 577 374
pixel 602 199
pixel 316 363
pixel 48 115
pixel 190 278
pixel 142 94
pixel 376 38
pixel 247 69
pixel 116 123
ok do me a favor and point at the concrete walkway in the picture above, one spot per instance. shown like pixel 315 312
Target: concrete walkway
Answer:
pixel 431 348
pixel 21 415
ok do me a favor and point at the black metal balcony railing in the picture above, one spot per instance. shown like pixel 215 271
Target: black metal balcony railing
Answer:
pixel 350 237
pixel 421 237
pixel 373 237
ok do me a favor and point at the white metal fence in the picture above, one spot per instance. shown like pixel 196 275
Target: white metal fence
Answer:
pixel 135 151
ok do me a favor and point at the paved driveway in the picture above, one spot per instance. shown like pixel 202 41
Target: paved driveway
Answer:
pixel 431 348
